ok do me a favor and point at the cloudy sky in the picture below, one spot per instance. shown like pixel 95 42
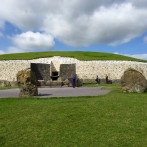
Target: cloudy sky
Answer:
pixel 113 26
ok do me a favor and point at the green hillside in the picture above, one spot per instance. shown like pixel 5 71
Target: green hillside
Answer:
pixel 85 56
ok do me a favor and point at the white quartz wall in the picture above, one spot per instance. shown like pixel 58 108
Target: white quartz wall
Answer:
pixel 84 69
pixel 114 69
pixel 8 70
pixel 55 66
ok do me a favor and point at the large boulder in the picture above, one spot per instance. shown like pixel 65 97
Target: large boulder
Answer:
pixel 27 83
pixel 133 81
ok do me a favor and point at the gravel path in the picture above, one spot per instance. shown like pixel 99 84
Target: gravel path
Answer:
pixel 58 92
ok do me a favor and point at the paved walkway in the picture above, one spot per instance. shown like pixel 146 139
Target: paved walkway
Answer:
pixel 58 92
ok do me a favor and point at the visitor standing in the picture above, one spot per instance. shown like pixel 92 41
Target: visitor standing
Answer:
pixel 97 79
pixel 107 79
pixel 73 81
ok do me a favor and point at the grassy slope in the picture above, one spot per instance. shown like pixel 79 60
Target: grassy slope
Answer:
pixel 116 119
pixel 78 55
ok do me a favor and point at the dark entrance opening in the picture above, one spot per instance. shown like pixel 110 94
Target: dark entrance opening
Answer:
pixel 54 76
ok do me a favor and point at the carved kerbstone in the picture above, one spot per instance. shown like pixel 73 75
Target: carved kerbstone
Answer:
pixel 133 81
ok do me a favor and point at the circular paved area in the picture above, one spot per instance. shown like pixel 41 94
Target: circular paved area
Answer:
pixel 58 92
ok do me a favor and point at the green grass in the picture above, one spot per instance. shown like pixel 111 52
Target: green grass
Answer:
pixel 113 120
pixel 78 55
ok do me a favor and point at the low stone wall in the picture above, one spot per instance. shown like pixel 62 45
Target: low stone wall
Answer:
pixel 84 69
pixel 101 81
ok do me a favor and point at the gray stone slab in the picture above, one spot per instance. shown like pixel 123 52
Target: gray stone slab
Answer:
pixel 58 92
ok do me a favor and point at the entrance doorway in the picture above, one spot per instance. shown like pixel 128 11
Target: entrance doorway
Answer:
pixel 54 76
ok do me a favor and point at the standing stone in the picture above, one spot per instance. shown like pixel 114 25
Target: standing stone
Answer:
pixel 133 81
pixel 27 83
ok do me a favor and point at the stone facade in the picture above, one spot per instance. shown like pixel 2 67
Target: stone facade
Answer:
pixel 42 71
pixel 85 70
pixel 67 71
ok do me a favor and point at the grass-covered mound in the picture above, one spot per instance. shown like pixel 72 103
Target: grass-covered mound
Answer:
pixel 116 120
pixel 78 55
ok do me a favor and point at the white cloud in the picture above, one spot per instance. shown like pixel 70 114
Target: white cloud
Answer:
pixel 31 41
pixel 79 22
pixel 139 56
pixel 116 53
pixel 139 3
pixel 2 52
pixel 114 25
pixel 14 49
